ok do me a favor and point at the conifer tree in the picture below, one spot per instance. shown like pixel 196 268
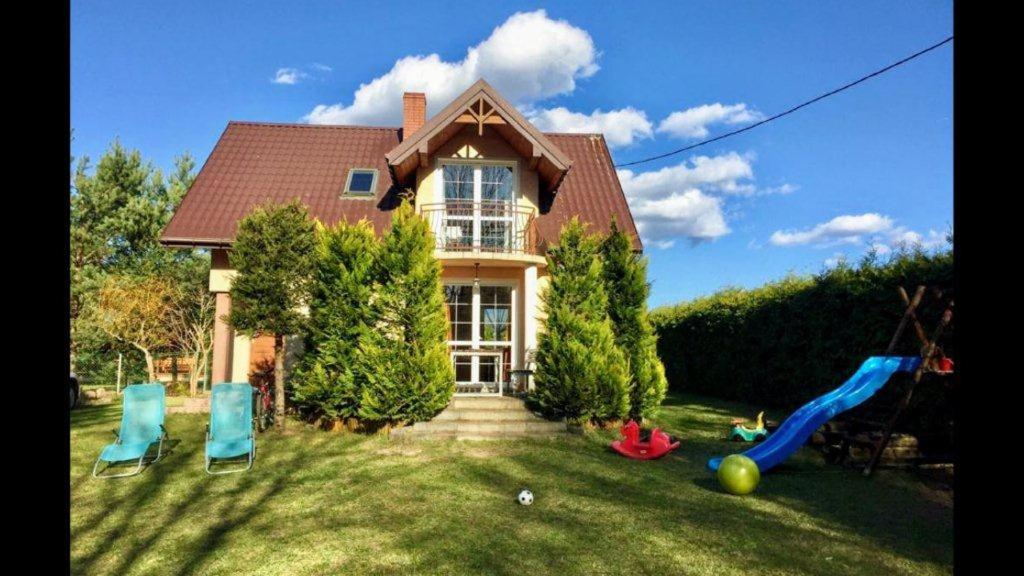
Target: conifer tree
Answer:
pixel 403 355
pixel 273 254
pixel 625 279
pixel 326 383
pixel 581 374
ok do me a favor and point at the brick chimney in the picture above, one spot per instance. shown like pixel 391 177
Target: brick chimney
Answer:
pixel 414 112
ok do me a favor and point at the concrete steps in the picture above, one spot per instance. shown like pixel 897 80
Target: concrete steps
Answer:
pixel 483 418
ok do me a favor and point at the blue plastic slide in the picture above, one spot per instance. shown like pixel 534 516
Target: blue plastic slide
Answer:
pixel 872 375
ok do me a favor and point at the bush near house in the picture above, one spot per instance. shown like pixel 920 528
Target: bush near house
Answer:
pixel 791 340
pixel 625 278
pixel 582 375
pixel 402 356
pixel 326 383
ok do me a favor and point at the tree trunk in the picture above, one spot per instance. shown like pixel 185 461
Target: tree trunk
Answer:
pixel 149 365
pixel 279 381
pixel 193 376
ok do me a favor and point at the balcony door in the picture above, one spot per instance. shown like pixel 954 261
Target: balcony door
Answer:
pixel 480 335
pixel 479 201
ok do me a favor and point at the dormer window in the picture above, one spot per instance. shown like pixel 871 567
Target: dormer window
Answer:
pixel 361 182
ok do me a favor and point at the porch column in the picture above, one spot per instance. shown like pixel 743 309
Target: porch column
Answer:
pixel 222 341
pixel 241 350
pixel 530 303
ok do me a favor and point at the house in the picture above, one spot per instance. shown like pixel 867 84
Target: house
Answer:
pixel 495 190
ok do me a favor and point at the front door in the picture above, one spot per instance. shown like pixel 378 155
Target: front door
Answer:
pixel 480 335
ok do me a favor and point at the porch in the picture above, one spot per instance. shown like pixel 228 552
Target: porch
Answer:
pixel 492 314
pixel 492 307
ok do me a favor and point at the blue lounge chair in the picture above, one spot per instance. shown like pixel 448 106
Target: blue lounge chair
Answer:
pixel 142 425
pixel 230 433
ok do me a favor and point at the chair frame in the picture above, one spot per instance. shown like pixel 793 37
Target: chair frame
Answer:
pixel 209 460
pixel 252 450
pixel 138 468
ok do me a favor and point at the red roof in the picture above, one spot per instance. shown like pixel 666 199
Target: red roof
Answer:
pixel 255 162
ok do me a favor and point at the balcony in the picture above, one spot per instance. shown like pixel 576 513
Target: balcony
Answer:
pixel 471 229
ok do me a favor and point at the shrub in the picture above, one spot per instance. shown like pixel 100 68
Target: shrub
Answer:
pixel 403 355
pixel 625 280
pixel 325 383
pixel 582 375
pixel 789 341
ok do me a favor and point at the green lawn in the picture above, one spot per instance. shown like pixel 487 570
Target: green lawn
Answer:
pixel 326 503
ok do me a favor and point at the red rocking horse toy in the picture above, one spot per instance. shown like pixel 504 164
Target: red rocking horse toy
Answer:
pixel 631 446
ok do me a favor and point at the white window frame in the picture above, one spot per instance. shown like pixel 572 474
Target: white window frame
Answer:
pixel 475 343
pixel 477 218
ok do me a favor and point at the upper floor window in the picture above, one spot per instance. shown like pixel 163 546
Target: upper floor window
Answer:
pixel 479 210
pixel 478 182
pixel 361 182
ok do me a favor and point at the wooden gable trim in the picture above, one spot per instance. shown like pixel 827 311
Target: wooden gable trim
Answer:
pixel 472 108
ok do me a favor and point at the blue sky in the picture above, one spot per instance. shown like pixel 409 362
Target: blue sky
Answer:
pixel 869 167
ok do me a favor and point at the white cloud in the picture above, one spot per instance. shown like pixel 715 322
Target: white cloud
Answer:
pixel 288 76
pixel 835 260
pixel 875 231
pixel 683 201
pixel 782 190
pixel 321 67
pixel 903 238
pixel 730 173
pixel 620 127
pixel 694 122
pixel 691 214
pixel 527 58
pixel 840 229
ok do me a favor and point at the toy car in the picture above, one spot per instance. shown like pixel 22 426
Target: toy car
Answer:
pixel 742 433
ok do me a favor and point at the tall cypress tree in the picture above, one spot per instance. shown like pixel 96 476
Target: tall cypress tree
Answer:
pixel 326 383
pixel 625 279
pixel 403 356
pixel 581 374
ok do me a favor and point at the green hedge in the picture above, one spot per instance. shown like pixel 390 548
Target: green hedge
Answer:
pixel 788 341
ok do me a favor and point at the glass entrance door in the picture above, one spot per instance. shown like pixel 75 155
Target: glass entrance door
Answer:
pixel 480 336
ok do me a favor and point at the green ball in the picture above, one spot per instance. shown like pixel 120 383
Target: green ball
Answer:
pixel 738 474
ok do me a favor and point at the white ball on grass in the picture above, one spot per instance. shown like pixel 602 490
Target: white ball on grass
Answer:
pixel 525 497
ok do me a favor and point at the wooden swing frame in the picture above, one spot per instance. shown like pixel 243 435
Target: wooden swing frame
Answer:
pixel 929 349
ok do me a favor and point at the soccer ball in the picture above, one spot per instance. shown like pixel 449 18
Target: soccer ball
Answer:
pixel 525 497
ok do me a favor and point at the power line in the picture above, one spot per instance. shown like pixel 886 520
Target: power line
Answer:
pixel 791 110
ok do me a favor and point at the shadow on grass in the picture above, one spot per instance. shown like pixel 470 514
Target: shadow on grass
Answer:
pixel 318 502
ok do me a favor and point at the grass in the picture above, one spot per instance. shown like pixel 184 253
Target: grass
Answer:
pixel 324 503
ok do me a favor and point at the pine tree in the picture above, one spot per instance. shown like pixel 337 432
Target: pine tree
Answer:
pixel 273 254
pixel 581 374
pixel 625 279
pixel 325 382
pixel 403 355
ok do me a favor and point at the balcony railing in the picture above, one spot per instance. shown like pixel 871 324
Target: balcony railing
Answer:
pixel 494 226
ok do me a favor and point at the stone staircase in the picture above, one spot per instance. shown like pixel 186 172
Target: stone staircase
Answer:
pixel 483 418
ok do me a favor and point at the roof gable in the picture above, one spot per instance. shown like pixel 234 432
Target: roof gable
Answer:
pixel 482 105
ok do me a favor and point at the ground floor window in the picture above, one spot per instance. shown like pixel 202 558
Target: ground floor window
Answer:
pixel 480 335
